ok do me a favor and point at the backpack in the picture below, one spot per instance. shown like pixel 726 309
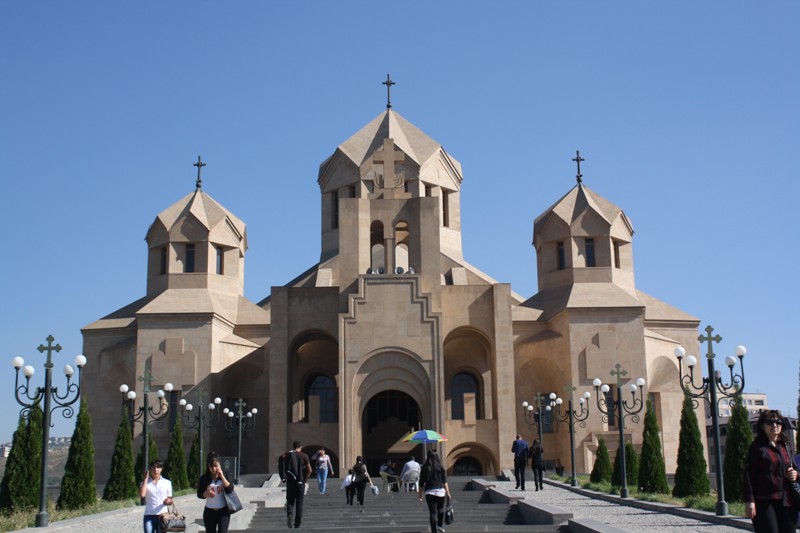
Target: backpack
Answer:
pixel 359 473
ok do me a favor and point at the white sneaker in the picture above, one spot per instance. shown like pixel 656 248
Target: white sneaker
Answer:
pixel 440 529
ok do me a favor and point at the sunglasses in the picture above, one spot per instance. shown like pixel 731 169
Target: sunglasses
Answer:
pixel 774 422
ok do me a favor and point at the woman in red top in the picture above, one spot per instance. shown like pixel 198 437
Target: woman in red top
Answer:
pixel 767 494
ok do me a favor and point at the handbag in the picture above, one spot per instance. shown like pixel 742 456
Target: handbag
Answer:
pixel 448 515
pixel 232 501
pixel 794 485
pixel 172 520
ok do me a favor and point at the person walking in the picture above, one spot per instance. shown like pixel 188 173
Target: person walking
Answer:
pixel 157 492
pixel 769 470
pixel 324 469
pixel 520 451
pixel 295 469
pixel 537 463
pixel 434 489
pixel 216 517
pixel 360 480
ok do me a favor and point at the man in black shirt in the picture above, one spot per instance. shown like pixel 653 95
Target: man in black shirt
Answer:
pixel 295 468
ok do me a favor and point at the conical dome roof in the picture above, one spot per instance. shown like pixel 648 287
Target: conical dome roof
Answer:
pixel 574 205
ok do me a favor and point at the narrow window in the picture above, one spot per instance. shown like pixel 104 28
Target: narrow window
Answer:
pixel 188 265
pixel 616 255
pixel 589 247
pixel 325 388
pixel 220 260
pixel 562 263
pixel 462 384
pixel 335 209
pixel 446 209
pixel 162 260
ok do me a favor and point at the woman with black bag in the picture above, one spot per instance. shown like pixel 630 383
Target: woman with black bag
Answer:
pixel 212 484
pixel 769 497
pixel 433 487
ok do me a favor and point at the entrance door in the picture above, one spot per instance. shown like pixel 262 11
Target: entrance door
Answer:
pixel 388 417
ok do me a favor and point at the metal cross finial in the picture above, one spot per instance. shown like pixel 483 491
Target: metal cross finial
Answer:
pixel 146 378
pixel 708 338
pixel 619 373
pixel 388 84
pixel 578 160
pixel 49 349
pixel 199 165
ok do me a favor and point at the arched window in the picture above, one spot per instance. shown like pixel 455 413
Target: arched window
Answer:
pixel 324 387
pixel 467 466
pixel 463 383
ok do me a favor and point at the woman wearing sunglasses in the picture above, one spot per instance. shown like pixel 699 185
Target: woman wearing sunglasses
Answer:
pixel 767 494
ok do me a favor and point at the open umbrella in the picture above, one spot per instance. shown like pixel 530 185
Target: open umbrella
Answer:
pixel 424 436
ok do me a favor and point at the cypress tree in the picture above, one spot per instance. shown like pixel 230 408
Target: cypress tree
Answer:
pixel 631 466
pixel 175 465
pixel 13 480
pixel 737 442
pixel 193 468
pixel 690 476
pixel 152 455
pixel 77 485
pixel 32 461
pixel 652 472
pixel 121 483
pixel 602 464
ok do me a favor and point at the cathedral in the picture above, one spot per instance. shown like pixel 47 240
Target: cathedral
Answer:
pixel 392 330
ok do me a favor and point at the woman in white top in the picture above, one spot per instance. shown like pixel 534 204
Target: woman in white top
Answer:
pixel 216 517
pixel 157 492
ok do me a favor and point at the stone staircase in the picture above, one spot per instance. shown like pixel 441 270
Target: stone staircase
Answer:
pixel 396 512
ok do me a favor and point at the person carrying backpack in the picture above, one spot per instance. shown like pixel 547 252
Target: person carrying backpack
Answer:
pixel 360 480
pixel 295 468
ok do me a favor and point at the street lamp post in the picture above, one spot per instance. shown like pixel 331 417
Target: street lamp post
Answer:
pixel 200 419
pixel 49 395
pixel 711 386
pixel 572 417
pixel 146 414
pixel 244 421
pixel 624 409
pixel 534 415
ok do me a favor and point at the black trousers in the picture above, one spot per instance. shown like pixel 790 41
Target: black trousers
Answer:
pixel 519 471
pixel 216 520
pixel 538 470
pixel 773 517
pixel 295 492
pixel 436 510
pixel 360 485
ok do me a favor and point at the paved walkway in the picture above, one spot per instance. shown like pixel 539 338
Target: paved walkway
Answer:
pixel 624 517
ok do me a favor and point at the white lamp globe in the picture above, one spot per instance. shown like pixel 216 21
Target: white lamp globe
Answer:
pixel 691 361
pixel 18 362
pixel 80 361
pixel 679 352
pixel 596 382
pixel 741 351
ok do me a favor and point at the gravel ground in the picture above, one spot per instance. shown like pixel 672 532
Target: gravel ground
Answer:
pixel 623 517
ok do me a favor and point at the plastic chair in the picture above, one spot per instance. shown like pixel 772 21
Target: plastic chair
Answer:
pixel 410 480
pixel 389 481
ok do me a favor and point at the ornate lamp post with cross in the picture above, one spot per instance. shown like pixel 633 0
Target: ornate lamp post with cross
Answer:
pixel 146 414
pixel 631 410
pixel 710 386
pixel 572 417
pixel 243 421
pixel 49 395
pixel 534 415
pixel 212 416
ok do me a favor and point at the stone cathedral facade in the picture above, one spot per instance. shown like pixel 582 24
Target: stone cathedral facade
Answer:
pixel 392 329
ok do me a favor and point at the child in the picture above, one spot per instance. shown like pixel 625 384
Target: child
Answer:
pixel 349 489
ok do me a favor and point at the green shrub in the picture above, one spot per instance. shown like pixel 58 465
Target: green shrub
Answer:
pixel 602 464
pixel 691 477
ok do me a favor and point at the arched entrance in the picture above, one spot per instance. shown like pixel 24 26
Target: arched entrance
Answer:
pixel 387 418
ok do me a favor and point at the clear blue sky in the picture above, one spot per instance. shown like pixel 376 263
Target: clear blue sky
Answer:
pixel 686 112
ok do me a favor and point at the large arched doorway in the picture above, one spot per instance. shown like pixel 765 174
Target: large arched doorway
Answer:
pixel 387 418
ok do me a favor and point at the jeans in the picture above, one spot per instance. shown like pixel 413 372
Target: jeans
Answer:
pixel 151 523
pixel 322 479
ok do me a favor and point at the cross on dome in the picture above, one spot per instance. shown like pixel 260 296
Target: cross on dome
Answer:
pixel 388 84
pixel 578 160
pixel 199 165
